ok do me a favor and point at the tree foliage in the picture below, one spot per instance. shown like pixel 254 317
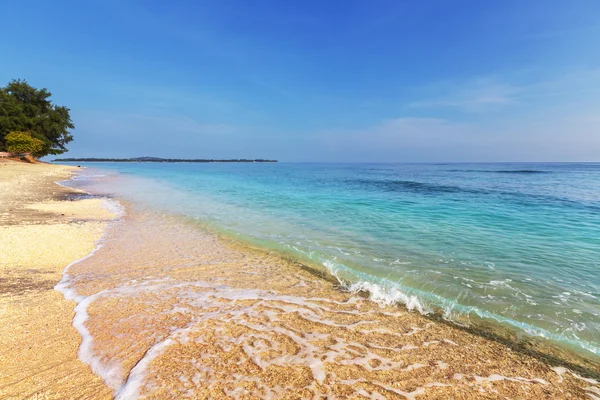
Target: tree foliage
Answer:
pixel 24 108
pixel 22 142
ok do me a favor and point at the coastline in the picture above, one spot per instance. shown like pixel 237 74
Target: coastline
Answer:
pixel 364 349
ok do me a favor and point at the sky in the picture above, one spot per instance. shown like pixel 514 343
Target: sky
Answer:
pixel 316 80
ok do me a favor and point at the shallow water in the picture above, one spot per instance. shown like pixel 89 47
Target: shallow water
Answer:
pixel 168 310
pixel 514 243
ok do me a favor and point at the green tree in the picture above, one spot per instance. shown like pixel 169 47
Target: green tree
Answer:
pixel 24 108
pixel 22 142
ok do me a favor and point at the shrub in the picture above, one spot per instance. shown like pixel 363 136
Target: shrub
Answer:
pixel 22 142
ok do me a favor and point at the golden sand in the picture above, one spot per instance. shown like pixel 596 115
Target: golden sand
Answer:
pixel 168 310
pixel 38 345
pixel 80 210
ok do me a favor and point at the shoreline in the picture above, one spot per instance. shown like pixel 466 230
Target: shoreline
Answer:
pixel 540 347
pixel 462 285
pixel 557 354
pixel 139 228
pixel 451 335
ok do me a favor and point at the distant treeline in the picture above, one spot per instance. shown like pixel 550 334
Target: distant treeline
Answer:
pixel 156 159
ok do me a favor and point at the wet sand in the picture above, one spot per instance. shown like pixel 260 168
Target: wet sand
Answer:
pixel 168 310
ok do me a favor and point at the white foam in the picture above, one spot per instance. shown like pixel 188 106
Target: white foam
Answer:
pixel 255 344
pixel 109 372
pixel 498 377
pixel 262 342
pixel 442 365
pixel 406 395
pixel 387 297
pixel 114 207
pixel 562 370
pixel 593 389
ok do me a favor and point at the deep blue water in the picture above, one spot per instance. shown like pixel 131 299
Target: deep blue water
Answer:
pixel 515 243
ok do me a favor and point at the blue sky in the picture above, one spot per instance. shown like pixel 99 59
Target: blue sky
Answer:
pixel 327 80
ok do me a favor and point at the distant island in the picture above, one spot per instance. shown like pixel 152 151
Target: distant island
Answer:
pixel 164 160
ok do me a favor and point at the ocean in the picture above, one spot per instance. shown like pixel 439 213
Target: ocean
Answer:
pixel 515 244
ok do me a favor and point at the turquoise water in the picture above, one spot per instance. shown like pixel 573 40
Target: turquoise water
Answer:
pixel 514 243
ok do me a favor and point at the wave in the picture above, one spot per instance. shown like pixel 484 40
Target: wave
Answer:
pixel 521 171
pixel 502 171
pixel 82 177
pixel 386 292
pixel 64 286
pixel 433 189
pixel 411 186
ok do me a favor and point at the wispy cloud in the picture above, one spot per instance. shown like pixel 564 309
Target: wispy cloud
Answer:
pixel 133 124
pixel 554 136
pixel 572 82
pixel 396 139
pixel 165 97
pixel 472 95
pixel 554 33
pixel 500 92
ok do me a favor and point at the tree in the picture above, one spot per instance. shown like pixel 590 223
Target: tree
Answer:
pixel 24 108
pixel 22 142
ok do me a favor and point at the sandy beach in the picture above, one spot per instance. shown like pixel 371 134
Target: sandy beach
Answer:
pixel 42 229
pixel 168 310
